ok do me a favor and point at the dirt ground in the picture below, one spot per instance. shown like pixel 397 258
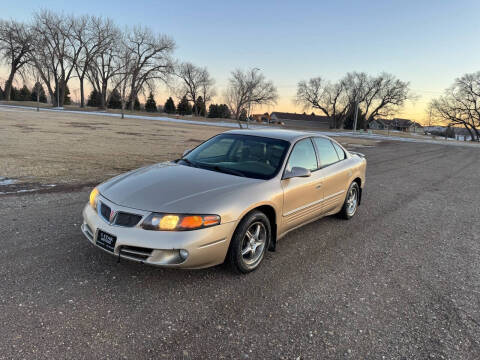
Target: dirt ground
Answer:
pixel 64 148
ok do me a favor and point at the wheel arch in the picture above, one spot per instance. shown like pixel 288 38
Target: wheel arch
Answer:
pixel 359 182
pixel 271 214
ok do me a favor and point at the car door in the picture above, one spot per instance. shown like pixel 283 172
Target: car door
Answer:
pixel 334 172
pixel 302 196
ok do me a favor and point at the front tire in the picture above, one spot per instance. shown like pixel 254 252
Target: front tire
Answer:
pixel 249 242
pixel 349 208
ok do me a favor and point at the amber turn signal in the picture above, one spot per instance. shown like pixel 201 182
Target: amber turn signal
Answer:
pixel 179 222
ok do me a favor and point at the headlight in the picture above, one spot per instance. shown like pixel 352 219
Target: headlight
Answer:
pixel 93 198
pixel 179 222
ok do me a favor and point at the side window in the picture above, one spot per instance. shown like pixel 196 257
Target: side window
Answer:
pixel 340 152
pixel 303 155
pixel 326 151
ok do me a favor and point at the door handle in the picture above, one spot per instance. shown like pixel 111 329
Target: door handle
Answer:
pixel 318 186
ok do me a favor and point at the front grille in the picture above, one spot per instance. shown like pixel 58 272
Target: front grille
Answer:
pixel 127 220
pixel 121 219
pixel 135 252
pixel 105 211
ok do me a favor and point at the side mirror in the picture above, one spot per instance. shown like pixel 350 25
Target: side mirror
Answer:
pixel 186 152
pixel 297 171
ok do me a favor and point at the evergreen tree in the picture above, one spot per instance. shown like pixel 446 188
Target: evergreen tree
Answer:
pixel 14 93
pixel 219 111
pixel 350 118
pixel 199 107
pixel 450 132
pixel 115 101
pixel 184 107
pixel 169 106
pixel 243 115
pixel 24 94
pixel 151 105
pixel 42 95
pixel 94 99
pixel 224 111
pixel 66 99
pixel 213 111
pixel 136 104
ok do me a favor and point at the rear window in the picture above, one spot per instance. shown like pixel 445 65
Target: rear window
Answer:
pixel 340 152
pixel 326 151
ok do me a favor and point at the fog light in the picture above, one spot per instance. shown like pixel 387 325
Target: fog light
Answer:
pixel 183 254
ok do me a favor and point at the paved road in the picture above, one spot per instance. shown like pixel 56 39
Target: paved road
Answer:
pixel 399 281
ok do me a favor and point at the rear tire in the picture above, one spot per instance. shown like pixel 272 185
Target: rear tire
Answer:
pixel 249 242
pixel 350 206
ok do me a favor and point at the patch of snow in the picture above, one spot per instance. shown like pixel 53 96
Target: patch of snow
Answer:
pixel 18 191
pixel 6 181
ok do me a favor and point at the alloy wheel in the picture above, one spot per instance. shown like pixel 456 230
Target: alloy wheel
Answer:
pixel 253 243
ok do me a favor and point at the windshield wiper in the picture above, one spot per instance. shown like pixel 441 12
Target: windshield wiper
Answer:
pixel 186 161
pixel 216 168
pixel 229 171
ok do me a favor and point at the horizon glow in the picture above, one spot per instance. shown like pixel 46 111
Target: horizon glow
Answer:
pixel 428 43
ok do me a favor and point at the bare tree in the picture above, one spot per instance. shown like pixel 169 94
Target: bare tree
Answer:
pixel 54 51
pixel 389 94
pixel 124 64
pixel 376 96
pixel 330 99
pixel 247 88
pixel 15 43
pixel 92 36
pixel 103 65
pixel 207 90
pixel 195 82
pixel 151 54
pixel 460 105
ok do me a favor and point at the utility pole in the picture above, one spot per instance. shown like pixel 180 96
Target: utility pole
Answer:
pixel 355 116
pixel 58 96
pixel 38 95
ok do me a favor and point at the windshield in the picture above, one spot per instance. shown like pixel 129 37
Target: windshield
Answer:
pixel 241 155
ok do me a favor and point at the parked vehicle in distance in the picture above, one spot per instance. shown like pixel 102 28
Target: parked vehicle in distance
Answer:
pixel 231 198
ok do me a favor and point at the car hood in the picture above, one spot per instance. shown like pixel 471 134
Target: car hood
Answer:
pixel 159 187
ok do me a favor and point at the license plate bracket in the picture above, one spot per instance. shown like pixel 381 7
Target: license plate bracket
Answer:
pixel 106 241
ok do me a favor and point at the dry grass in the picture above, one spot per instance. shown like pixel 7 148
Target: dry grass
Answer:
pixel 65 148
pixel 51 147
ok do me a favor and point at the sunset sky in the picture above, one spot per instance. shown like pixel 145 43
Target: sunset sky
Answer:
pixel 428 43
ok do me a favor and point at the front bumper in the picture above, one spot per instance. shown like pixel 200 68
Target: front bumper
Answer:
pixel 206 247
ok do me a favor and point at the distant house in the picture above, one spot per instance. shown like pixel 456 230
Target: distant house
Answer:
pixel 439 130
pixel 261 117
pixel 301 120
pixel 462 134
pixel 397 124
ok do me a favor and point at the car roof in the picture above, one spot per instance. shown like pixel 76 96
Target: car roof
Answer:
pixel 283 134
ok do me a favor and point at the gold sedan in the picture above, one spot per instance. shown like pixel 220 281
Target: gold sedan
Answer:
pixel 229 199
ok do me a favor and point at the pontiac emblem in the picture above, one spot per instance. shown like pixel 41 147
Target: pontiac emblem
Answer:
pixel 112 216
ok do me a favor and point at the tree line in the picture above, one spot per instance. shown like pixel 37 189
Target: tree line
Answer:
pixel 119 65
pixel 36 93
